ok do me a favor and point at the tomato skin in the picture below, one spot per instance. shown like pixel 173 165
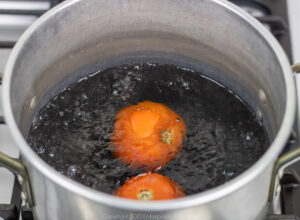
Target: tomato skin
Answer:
pixel 154 149
pixel 153 185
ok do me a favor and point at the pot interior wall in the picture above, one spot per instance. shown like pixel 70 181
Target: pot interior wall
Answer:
pixel 204 36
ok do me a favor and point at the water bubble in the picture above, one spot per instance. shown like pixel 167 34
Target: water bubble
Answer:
pixel 41 150
pixel 51 154
pixel 185 85
pixel 77 111
pixel 126 82
pixel 72 170
pixel 138 78
pixel 116 84
pixel 85 119
pixel 65 123
pixel 84 96
pixel 61 113
pixel 137 67
pixel 249 136
pixel 115 93
pixel 124 97
pixel 228 174
pixel 77 103
pixel 106 136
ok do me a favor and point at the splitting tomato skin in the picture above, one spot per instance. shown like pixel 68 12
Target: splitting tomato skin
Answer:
pixel 138 119
pixel 153 185
pixel 150 147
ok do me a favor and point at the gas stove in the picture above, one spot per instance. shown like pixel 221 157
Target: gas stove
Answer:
pixel 279 16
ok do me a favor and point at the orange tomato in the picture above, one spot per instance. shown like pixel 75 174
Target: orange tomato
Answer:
pixel 147 135
pixel 150 186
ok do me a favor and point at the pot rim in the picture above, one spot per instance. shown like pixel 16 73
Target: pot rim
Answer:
pixel 188 201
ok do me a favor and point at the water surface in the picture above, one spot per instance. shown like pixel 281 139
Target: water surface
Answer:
pixel 72 132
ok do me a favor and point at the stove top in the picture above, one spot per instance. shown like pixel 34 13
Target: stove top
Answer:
pixel 274 15
pixel 16 16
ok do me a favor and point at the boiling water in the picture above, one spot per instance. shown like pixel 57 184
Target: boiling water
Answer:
pixel 72 132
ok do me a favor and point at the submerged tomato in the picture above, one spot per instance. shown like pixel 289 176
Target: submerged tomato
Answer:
pixel 147 135
pixel 150 186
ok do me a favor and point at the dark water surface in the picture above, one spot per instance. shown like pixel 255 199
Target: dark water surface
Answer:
pixel 72 132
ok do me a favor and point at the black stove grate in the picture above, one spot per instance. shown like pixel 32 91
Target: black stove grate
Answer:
pixel 11 211
pixel 274 15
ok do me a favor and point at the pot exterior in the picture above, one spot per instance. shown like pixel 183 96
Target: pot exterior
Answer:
pixel 211 36
pixel 56 203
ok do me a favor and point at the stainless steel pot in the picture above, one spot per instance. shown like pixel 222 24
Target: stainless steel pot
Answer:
pixel 212 36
